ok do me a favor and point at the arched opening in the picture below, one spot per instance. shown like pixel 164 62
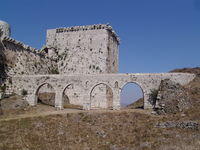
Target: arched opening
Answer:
pixel 132 96
pixel 101 96
pixel 70 98
pixel 45 94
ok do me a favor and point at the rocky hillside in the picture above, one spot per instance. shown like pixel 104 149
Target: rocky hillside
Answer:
pixel 188 70
pixel 138 104
pixel 193 87
pixel 171 97
pixel 116 130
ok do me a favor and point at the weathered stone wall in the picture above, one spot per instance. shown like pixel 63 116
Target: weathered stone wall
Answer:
pixel 84 49
pixel 19 59
pixel 2 64
pixel 112 50
pixel 82 86
pixel 172 98
pixel 101 96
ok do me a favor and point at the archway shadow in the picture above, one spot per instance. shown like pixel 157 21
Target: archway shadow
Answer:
pixel 45 95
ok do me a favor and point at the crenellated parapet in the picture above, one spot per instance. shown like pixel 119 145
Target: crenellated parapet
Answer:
pixel 89 27
pixel 23 59
pixel 18 43
pixel 21 46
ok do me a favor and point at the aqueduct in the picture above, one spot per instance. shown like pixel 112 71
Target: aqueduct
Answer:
pixel 82 87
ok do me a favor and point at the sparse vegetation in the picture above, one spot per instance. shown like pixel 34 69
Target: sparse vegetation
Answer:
pixel 139 104
pixel 153 96
pixel 72 106
pixel 54 71
pixel 100 130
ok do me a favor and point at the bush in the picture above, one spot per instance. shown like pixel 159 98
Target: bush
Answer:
pixel 153 96
pixel 54 71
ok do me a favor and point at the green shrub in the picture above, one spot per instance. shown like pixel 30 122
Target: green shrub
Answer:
pixel 153 96
pixel 54 71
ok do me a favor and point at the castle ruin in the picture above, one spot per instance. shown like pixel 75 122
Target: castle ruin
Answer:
pixel 80 62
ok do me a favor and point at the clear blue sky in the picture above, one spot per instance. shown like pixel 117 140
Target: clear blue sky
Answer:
pixel 156 35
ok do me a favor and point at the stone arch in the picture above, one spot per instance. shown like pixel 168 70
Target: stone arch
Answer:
pixel 38 89
pixel 71 96
pixel 65 96
pixel 101 96
pixel 138 86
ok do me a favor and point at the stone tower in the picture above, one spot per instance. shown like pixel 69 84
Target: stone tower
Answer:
pixel 4 29
pixel 89 49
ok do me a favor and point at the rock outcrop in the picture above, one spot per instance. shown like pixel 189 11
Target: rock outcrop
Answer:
pixel 182 125
pixel 172 98
pixel 47 98
pixel 12 103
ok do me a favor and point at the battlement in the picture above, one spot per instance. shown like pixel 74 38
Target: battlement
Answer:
pixel 89 27
pixel 18 43
pixel 19 59
pixel 24 46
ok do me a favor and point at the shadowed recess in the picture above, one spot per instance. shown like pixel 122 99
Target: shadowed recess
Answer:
pixel 46 94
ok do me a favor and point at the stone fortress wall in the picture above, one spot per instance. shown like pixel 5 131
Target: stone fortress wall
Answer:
pixel 84 49
pixel 20 59
pixel 85 59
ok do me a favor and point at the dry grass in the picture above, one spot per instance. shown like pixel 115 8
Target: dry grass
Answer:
pixel 104 130
pixel 139 104
pixel 72 106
